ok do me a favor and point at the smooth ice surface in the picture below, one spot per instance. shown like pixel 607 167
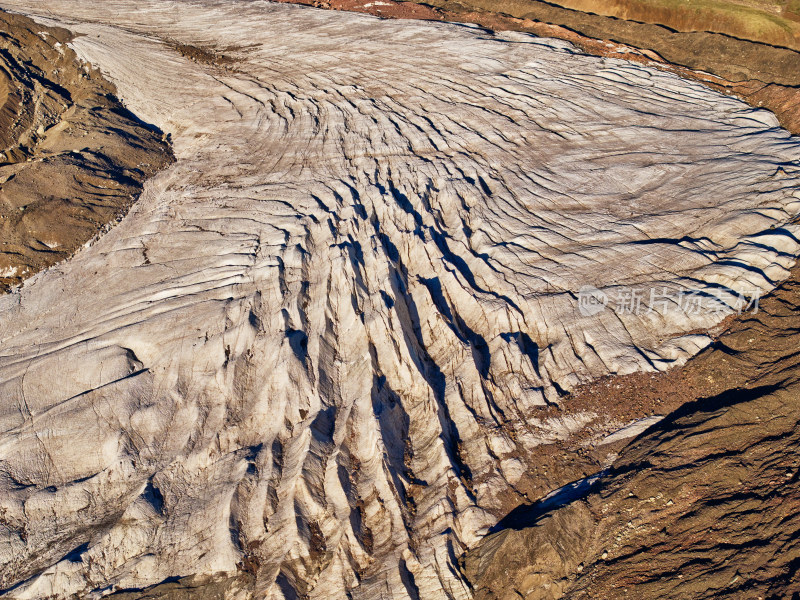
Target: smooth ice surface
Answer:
pixel 321 334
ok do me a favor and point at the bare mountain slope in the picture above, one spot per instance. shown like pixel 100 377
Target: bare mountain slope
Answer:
pixel 770 22
pixel 703 505
pixel 72 158
pixel 306 362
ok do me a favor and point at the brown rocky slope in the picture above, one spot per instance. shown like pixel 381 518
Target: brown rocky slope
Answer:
pixel 72 158
pixel 772 22
pixel 702 505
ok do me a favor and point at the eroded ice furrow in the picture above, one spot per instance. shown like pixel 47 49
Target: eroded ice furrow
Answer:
pixel 316 344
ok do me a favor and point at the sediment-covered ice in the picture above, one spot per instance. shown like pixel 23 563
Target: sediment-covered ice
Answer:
pixel 313 345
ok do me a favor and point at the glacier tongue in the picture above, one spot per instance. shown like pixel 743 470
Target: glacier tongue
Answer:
pixel 314 347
